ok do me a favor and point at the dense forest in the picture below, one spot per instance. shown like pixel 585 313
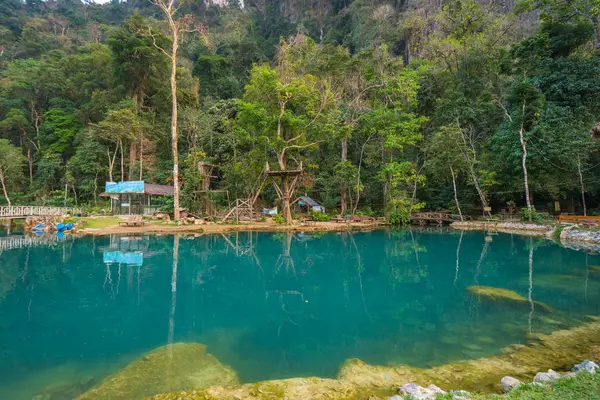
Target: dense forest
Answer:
pixel 386 105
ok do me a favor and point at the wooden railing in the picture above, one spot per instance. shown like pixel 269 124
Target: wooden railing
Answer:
pixel 19 242
pixel 36 211
pixel 577 219
pixel 436 216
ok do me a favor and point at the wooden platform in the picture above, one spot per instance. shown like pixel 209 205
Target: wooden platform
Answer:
pixel 439 218
pixel 578 219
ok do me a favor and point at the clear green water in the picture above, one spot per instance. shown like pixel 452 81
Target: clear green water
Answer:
pixel 277 305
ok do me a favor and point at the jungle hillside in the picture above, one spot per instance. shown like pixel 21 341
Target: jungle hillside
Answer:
pixel 386 107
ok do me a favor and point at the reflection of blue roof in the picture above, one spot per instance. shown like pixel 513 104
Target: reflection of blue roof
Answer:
pixel 309 201
pixel 120 257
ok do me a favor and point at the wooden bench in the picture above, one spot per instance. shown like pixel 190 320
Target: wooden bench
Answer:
pixel 309 221
pixel 132 220
pixel 578 219
pixel 342 220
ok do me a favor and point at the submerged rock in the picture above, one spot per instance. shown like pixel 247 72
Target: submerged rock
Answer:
pixel 166 369
pixel 416 392
pixel 358 380
pixel 499 294
pixel 549 376
pixel 508 383
pixel 586 366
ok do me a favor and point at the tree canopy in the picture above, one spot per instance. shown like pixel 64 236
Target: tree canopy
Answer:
pixel 388 107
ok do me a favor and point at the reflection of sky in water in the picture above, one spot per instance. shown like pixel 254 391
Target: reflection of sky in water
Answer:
pixel 279 305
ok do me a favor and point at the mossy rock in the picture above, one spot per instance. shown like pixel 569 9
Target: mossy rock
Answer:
pixel 499 294
pixel 358 380
pixel 170 368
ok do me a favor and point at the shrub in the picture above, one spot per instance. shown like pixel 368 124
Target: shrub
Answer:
pixel 535 216
pixel 278 218
pixel 319 216
pixel 400 217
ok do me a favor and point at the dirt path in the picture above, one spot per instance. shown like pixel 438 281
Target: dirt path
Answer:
pixel 222 228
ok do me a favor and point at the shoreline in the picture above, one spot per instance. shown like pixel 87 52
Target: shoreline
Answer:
pixel 519 228
pixel 570 237
pixel 222 228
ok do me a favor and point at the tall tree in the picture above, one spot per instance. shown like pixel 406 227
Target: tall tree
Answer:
pixel 177 29
pixel 11 167
pixel 286 115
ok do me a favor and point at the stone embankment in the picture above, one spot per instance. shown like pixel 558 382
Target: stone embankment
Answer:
pixel 411 391
pixel 507 227
pixel 577 237
pixel 573 236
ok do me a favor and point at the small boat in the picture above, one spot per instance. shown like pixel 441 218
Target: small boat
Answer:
pixel 38 227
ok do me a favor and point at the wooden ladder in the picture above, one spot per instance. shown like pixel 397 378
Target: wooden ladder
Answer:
pixel 242 211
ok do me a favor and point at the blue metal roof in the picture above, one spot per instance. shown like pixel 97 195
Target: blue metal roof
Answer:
pixel 309 201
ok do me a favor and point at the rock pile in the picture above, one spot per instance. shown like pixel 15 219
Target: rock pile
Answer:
pixel 411 391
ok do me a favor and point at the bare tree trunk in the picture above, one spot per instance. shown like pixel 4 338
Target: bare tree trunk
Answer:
pixel 456 193
pixel 478 189
pixel 358 174
pixel 4 188
pixel 132 159
pixel 111 161
pixel 174 149
pixel 471 164
pixel 285 200
pixel 96 190
pixel 122 162
pixel 524 163
pixel 582 187
pixel 596 35
pixel 30 161
pixel 344 186
pixel 141 156
pixel 110 166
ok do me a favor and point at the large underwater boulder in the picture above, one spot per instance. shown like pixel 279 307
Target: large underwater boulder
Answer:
pixel 170 368
pixel 504 295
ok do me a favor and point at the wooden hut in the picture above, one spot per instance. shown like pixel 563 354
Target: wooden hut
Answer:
pixel 136 197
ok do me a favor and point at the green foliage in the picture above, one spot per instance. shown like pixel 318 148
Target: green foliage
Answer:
pixel 278 218
pixel 11 163
pixel 320 216
pixel 387 107
pixel 536 217
pixel 400 217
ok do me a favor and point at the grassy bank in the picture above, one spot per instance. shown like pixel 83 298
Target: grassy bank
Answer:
pixel 583 386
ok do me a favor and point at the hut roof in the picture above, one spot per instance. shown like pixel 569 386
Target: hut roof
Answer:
pixel 309 201
pixel 141 187
pixel 158 190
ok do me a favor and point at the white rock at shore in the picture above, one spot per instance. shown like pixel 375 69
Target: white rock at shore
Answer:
pixel 508 383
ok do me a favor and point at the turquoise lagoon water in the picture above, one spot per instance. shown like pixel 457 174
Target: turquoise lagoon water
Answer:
pixel 277 305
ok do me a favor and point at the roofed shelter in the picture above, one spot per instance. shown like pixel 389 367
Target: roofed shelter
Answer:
pixel 309 203
pixel 136 197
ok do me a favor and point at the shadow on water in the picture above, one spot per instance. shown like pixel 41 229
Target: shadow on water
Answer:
pixel 272 306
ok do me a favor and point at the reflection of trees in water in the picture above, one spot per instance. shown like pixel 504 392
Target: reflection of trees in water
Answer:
pixel 173 294
pixel 359 270
pixel 530 291
pixel 458 256
pixel 474 300
pixel 402 249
